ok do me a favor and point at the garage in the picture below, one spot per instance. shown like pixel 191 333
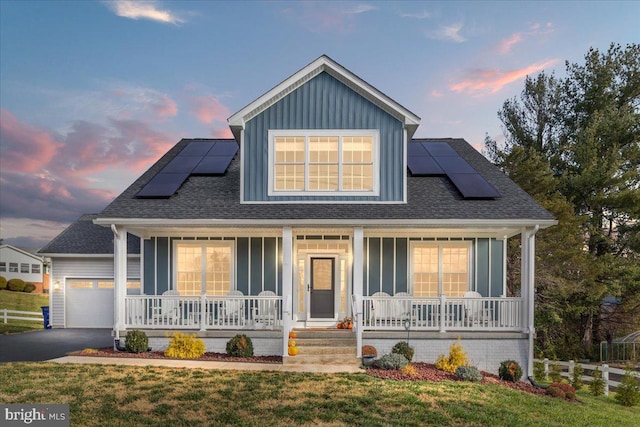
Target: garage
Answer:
pixel 89 303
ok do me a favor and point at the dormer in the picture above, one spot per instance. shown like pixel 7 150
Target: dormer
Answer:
pixel 323 136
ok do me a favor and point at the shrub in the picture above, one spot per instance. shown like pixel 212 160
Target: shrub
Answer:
pixel 562 390
pixel 240 346
pixel 457 357
pixel 16 285
pixel 3 282
pixel 136 341
pixel 510 370
pixel 184 346
pixel 29 287
pixel 469 373
pixel 628 392
pixel 596 386
pixel 403 348
pixel 555 373
pixel 409 370
pixel 369 350
pixel 538 372
pixel 392 361
pixel 576 379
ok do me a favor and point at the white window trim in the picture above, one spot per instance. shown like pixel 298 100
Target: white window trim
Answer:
pixel 375 134
pixel 203 244
pixel 440 245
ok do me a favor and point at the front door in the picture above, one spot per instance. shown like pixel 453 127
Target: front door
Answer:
pixel 322 288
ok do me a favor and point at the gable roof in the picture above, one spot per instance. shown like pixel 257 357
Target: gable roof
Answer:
pixel 22 251
pixel 215 200
pixel 83 237
pixel 328 65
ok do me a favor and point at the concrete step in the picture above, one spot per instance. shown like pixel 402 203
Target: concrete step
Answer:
pixel 324 359
pixel 325 342
pixel 325 333
pixel 323 350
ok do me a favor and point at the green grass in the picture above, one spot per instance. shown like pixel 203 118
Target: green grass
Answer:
pixel 154 396
pixel 23 302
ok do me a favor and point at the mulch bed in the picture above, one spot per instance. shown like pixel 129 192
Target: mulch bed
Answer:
pixel 215 357
pixel 424 371
pixel 428 372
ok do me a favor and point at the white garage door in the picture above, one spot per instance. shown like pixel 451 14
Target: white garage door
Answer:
pixel 89 303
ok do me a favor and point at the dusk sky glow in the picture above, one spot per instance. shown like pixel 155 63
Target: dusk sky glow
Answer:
pixel 93 92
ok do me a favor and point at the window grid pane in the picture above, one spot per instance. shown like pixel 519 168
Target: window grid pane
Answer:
pixel 455 267
pixel 427 261
pixel 425 271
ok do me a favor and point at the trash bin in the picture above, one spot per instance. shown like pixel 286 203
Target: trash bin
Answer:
pixel 45 316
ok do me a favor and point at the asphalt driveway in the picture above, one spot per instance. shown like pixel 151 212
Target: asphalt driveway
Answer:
pixel 51 343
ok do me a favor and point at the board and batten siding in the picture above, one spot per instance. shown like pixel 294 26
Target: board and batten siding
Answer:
pixel 323 103
pixel 81 268
pixel 387 269
pixel 257 262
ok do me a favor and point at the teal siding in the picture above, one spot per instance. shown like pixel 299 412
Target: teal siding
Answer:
pixel 270 260
pixel 373 257
pixel 388 261
pixel 149 276
pixel 496 268
pixel 163 264
pixel 323 103
pixel 482 274
pixel 402 262
pixel 242 264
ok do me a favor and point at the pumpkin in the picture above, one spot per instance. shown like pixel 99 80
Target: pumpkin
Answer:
pixel 293 335
pixel 292 343
pixel 339 325
pixel 350 326
pixel 293 350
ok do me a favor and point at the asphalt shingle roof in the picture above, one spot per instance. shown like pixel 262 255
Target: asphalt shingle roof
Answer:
pixel 432 197
pixel 84 237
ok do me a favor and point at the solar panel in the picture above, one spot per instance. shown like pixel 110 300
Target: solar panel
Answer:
pixel 424 166
pixel 163 185
pixel 416 149
pixel 440 149
pixel 454 164
pixel 224 148
pixel 212 165
pixel 473 186
pixel 182 164
pixel 197 148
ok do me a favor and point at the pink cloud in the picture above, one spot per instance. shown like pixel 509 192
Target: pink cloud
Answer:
pixel 505 45
pixel 319 17
pixel 223 132
pixel 436 93
pixel 25 148
pixel 165 107
pixel 208 109
pixel 488 81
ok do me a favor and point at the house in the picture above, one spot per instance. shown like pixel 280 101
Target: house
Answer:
pixel 82 274
pixel 16 263
pixel 324 206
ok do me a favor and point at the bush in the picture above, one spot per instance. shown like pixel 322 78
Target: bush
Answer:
pixel 403 348
pixel 469 373
pixel 409 371
pixel 596 386
pixel 136 341
pixel 29 287
pixel 628 392
pixel 538 372
pixel 369 350
pixel 392 361
pixel 555 373
pixel 240 346
pixel 576 379
pixel 510 370
pixel 184 346
pixel 3 282
pixel 16 285
pixel 457 357
pixel 562 390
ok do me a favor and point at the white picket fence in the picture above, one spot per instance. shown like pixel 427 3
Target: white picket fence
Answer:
pixel 570 365
pixel 7 314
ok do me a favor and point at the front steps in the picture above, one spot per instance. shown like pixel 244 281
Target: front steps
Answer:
pixel 324 347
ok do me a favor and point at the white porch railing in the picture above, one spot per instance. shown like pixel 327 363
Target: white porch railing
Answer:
pixel 203 313
pixel 443 314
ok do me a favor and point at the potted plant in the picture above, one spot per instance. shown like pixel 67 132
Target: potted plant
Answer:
pixel 369 353
pixel 346 323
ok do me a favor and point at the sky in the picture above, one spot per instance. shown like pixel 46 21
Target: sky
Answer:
pixel 92 93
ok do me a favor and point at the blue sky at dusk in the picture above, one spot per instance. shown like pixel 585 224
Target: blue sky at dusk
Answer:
pixel 92 92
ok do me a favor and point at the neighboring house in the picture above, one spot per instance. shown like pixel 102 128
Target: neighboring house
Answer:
pixel 16 263
pixel 82 274
pixel 323 206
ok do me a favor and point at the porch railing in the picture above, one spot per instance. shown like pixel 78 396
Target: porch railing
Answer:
pixel 203 313
pixel 442 314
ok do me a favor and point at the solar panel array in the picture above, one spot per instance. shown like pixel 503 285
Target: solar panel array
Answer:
pixel 197 158
pixel 439 159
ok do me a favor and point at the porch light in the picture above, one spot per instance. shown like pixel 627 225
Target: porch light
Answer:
pixel 56 285
pixel 407 324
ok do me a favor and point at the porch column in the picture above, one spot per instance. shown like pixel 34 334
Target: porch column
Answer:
pixel 287 287
pixel 119 277
pixel 527 266
pixel 358 265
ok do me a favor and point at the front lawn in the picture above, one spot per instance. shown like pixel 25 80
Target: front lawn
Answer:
pixel 23 302
pixel 132 396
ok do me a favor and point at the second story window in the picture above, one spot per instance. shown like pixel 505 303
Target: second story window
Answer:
pixel 322 162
